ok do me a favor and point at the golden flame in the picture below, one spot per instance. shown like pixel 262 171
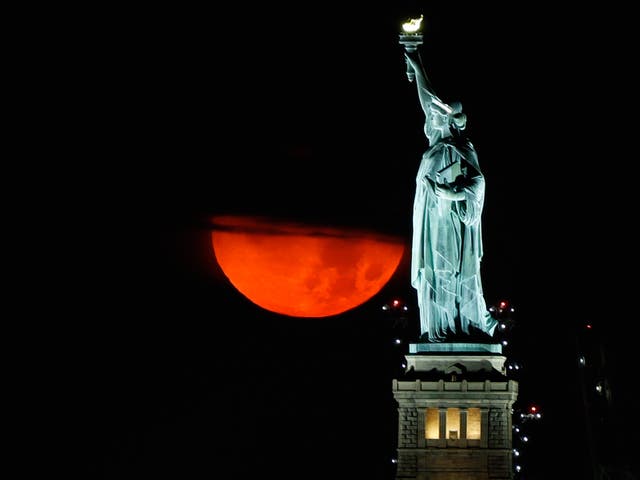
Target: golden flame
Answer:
pixel 413 25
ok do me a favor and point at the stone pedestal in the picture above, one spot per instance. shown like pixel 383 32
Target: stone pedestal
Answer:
pixel 454 414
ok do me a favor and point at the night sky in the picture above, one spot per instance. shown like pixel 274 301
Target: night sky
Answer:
pixel 246 111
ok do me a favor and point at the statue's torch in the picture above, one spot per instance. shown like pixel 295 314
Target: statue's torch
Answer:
pixel 410 38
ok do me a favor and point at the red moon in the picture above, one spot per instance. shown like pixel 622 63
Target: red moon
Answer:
pixel 302 270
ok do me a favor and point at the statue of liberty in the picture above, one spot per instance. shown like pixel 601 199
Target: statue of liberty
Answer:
pixel 447 234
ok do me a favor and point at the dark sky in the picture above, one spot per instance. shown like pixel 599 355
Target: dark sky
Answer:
pixel 246 111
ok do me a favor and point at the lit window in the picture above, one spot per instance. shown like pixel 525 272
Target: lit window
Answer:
pixel 453 426
pixel 432 427
pixel 453 423
pixel 473 424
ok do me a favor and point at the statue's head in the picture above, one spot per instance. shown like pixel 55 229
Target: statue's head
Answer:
pixel 439 117
pixel 457 118
pixel 444 118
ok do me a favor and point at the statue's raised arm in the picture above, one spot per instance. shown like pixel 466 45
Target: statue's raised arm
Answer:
pixel 433 108
pixel 427 94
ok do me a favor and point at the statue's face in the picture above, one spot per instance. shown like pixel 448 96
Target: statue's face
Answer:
pixel 439 120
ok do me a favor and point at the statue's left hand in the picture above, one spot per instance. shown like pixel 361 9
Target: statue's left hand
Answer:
pixel 447 193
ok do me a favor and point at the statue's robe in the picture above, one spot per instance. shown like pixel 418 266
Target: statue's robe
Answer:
pixel 447 245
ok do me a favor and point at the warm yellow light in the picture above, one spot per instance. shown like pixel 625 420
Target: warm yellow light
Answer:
pixel 413 25
pixel 473 424
pixel 453 422
pixel 432 427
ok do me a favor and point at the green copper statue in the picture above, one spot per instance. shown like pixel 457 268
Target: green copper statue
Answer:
pixel 447 235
